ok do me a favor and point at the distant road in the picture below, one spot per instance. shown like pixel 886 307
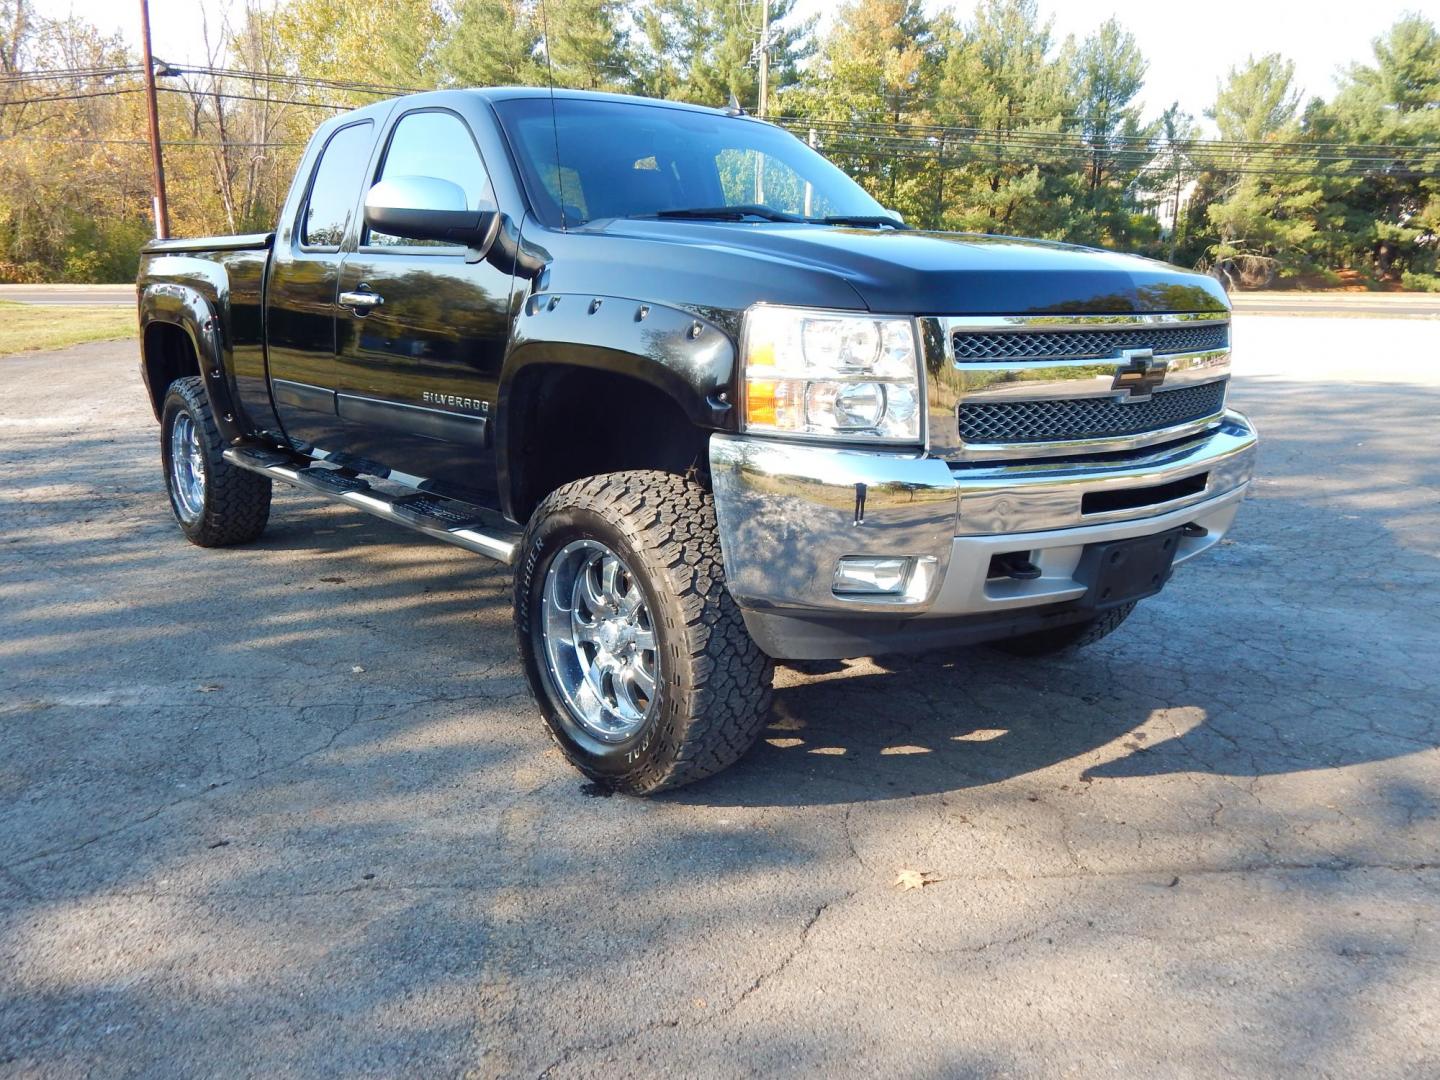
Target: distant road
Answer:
pixel 1381 305
pixel 70 295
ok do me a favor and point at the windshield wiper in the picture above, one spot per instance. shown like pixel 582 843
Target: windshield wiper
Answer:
pixel 727 213
pixel 860 219
pixel 767 213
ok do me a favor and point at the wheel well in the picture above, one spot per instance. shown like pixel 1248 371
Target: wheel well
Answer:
pixel 169 354
pixel 571 422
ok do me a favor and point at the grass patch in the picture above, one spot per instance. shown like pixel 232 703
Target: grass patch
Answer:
pixel 52 326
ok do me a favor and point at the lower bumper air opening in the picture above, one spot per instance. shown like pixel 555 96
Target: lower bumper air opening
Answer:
pixel 1106 502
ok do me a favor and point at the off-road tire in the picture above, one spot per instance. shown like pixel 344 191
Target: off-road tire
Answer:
pixel 1063 639
pixel 236 501
pixel 713 690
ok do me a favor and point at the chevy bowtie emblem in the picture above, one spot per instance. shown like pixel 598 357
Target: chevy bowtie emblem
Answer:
pixel 1139 375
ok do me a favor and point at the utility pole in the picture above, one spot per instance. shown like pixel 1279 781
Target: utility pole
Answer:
pixel 162 210
pixel 764 55
pixel 764 60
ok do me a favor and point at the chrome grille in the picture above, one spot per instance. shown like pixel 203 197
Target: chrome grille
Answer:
pixel 989 346
pixel 1070 419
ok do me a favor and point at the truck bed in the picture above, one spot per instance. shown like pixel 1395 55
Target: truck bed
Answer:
pixel 226 276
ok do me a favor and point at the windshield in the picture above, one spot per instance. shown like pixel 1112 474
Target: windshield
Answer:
pixel 631 159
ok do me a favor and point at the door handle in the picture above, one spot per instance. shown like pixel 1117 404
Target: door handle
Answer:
pixel 360 298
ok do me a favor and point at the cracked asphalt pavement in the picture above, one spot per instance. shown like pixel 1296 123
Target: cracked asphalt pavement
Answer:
pixel 287 810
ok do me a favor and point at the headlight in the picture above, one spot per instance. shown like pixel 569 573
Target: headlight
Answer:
pixel 832 374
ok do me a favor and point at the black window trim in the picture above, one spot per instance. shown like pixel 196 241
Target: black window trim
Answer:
pixel 430 250
pixel 324 249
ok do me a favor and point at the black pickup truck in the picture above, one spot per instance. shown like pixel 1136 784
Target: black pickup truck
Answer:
pixel 714 403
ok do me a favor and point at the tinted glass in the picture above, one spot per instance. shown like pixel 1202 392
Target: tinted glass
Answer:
pixel 434 144
pixel 622 159
pixel 336 189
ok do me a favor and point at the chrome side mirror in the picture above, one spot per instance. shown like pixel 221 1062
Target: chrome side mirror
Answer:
pixel 427 208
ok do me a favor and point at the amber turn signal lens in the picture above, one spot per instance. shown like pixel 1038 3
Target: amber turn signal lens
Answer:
pixel 760 401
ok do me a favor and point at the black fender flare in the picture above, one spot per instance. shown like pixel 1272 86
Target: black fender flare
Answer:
pixel 199 317
pixel 689 359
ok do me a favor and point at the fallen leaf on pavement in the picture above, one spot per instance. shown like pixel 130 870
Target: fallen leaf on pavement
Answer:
pixel 208 688
pixel 357 670
pixel 915 879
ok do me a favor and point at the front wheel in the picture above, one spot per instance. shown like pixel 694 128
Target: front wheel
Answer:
pixel 1064 639
pixel 634 648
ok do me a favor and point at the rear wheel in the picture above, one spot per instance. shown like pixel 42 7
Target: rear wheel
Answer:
pixel 215 503
pixel 1062 639
pixel 635 650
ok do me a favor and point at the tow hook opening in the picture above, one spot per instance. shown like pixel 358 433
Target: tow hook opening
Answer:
pixel 1016 565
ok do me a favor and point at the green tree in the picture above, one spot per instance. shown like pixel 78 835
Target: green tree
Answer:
pixel 1258 101
pixel 703 51
pixel 1108 74
pixel 877 66
pixel 1266 219
pixel 1005 89
pixel 490 43
pixel 588 48
pixel 1387 213
pixel 391 43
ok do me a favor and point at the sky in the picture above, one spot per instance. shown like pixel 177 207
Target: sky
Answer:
pixel 1190 46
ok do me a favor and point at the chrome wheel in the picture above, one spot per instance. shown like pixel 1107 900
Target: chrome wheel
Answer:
pixel 187 468
pixel 599 641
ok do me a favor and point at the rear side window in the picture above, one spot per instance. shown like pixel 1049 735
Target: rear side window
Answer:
pixel 336 188
pixel 437 144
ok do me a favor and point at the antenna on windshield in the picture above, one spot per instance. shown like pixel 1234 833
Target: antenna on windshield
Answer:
pixel 554 120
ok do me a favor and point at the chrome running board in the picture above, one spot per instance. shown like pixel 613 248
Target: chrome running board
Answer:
pixel 470 527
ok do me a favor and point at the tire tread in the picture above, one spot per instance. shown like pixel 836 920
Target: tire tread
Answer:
pixel 237 501
pixel 1065 639
pixel 725 686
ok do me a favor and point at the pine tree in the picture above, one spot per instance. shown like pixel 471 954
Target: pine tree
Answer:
pixel 877 66
pixel 1002 81
pixel 490 43
pixel 588 49
pixel 1388 214
pixel 1108 74
pixel 1265 220
pixel 703 51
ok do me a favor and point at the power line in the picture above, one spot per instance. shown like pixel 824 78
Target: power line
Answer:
pixel 253 97
pixel 998 156
pixel 921 130
pixel 276 76
pixel 71 97
pixel 45 74
pixel 67 141
pixel 870 138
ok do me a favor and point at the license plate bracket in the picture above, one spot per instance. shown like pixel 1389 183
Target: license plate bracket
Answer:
pixel 1120 571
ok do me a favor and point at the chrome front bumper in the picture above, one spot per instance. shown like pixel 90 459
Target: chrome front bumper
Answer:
pixel 788 512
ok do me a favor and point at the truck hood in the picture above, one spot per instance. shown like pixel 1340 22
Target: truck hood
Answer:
pixel 913 272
